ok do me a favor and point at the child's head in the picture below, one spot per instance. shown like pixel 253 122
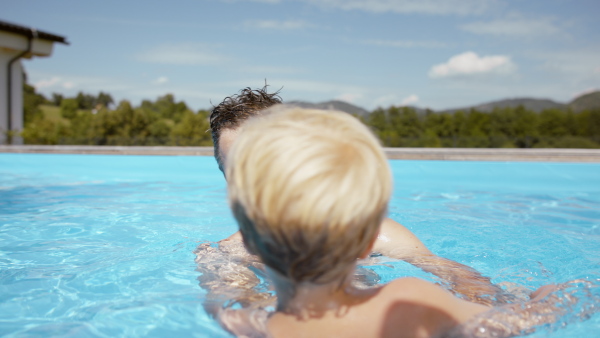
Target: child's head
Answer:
pixel 309 189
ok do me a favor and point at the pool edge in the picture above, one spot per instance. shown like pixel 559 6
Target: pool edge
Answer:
pixel 440 154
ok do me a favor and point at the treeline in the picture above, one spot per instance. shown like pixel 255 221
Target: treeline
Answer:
pixel 500 128
pixel 91 120
pixel 95 120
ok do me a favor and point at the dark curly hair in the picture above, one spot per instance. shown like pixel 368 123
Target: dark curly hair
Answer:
pixel 235 109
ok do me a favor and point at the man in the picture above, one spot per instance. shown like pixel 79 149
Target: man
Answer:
pixel 394 240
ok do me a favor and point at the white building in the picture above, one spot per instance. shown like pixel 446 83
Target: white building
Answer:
pixel 17 42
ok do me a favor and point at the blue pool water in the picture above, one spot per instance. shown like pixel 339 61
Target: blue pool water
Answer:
pixel 101 246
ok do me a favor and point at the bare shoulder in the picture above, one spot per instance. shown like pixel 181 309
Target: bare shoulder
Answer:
pixel 396 241
pixel 417 308
pixel 425 294
pixel 411 287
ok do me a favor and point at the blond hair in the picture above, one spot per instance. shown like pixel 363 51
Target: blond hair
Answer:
pixel 309 189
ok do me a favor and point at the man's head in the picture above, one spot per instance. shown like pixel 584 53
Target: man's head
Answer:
pixel 229 115
pixel 309 189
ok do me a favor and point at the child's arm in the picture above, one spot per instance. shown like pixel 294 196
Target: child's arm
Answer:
pixel 396 241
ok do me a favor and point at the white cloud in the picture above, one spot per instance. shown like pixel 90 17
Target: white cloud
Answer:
pixel 469 63
pixel 386 100
pixel 515 26
pixel 279 25
pixel 393 99
pixel 406 43
pixel 411 99
pixel 45 83
pixel 436 7
pixel 69 85
pixel 160 80
pixel 349 97
pixel 181 54
pixel 53 83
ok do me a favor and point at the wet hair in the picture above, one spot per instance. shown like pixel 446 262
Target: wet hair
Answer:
pixel 309 190
pixel 236 109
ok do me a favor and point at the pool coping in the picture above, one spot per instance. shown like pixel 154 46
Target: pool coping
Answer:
pixel 450 154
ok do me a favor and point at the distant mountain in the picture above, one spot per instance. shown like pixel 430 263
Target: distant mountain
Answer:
pixel 333 105
pixel 587 101
pixel 584 102
pixel 536 105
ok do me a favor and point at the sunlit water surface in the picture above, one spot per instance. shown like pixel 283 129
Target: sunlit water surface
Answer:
pixel 101 246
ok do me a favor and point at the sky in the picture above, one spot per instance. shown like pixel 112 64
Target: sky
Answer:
pixel 437 54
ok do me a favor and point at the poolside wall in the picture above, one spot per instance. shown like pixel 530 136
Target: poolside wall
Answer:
pixel 451 154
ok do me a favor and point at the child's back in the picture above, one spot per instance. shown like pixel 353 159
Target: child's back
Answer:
pixel 407 307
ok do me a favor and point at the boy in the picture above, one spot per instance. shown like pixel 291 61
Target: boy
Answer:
pixel 309 190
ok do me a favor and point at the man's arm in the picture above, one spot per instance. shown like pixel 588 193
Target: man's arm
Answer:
pixel 549 305
pixel 246 322
pixel 229 276
pixel 396 241
pixel 235 238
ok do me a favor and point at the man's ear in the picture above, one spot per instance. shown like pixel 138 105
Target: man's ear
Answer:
pixel 369 249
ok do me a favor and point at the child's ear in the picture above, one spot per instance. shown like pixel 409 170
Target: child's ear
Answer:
pixel 369 249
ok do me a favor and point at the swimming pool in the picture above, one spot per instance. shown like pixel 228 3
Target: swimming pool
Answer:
pixel 101 245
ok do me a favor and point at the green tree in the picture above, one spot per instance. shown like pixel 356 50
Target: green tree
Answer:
pixel 31 102
pixel 80 131
pixel 193 130
pixel 553 122
pixel 377 120
pixel 85 101
pixel 68 108
pixel 104 99
pixel 587 124
pixel 406 125
pixel 166 107
pixel 43 131
pixel 430 139
pixel 159 131
pixel 57 99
